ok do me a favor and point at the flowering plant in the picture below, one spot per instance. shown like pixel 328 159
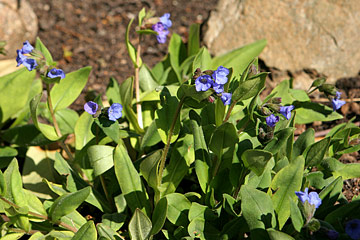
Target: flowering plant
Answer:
pixel 188 149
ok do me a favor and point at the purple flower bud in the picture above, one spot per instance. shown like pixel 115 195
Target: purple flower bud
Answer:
pixel 332 234
pixel 313 198
pixel 226 98
pixel 114 111
pixel 286 111
pixel 54 73
pixel 352 229
pixel 220 75
pixel 203 83
pixel 272 120
pixel 162 32
pixel 165 19
pixel 219 88
pixel 91 107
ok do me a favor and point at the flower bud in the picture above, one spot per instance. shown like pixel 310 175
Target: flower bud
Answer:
pixel 276 100
pixel 314 225
pixel 328 89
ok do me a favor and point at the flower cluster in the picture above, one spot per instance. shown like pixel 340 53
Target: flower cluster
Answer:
pixel 274 104
pixel 336 102
pixel 113 112
pixel 24 57
pixel 162 27
pixel 216 81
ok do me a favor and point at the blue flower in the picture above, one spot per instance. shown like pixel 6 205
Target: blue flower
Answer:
pixel 352 228
pixel 332 234
pixel 203 83
pixel 272 120
pixel 226 98
pixel 313 198
pixel 91 107
pixel 29 63
pixel 286 111
pixel 114 111
pixel 219 88
pixel 162 32
pixel 336 102
pixel 165 19
pixel 54 73
pixel 220 75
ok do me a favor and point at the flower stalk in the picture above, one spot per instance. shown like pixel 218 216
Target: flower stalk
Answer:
pixel 137 86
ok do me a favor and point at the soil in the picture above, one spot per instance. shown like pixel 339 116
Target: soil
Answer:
pixel 92 32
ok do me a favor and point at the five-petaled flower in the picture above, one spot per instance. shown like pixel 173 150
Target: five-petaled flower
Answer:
pixel 114 111
pixel 336 102
pixel 312 198
pixel 91 107
pixel 203 83
pixel 25 60
pixel 272 120
pixel 352 228
pixel 54 73
pixel 286 111
pixel 226 98
pixel 220 75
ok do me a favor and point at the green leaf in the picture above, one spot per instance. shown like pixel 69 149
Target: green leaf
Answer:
pixel 34 205
pixel 87 231
pixel 146 79
pixel 177 54
pixel 106 232
pixel 165 117
pixel 129 180
pixel 194 39
pixel 15 192
pixel 140 226
pixel 114 220
pixel 317 152
pixel 276 235
pixel 280 139
pixel 2 184
pixel 200 211
pixel 113 91
pixel 189 91
pixel 82 130
pixel 159 216
pixel 67 203
pixel 256 160
pixel 41 47
pixel 126 91
pixel 141 16
pixel 69 88
pixel 151 136
pixel 14 91
pixel 304 140
pixel 202 60
pixel 12 236
pixel 347 211
pixel 250 87
pixel 178 208
pixel 101 158
pixel 224 137
pixel 149 168
pixel 146 31
pixel 285 183
pixel 239 58
pixel 295 215
pixel 131 49
pixel 66 119
pixel 8 152
pixel 308 112
pixel 110 128
pixel 257 208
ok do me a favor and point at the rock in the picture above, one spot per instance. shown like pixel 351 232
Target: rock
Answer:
pixel 17 25
pixel 318 35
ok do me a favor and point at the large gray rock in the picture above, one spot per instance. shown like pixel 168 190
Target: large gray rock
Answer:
pixel 18 24
pixel 302 34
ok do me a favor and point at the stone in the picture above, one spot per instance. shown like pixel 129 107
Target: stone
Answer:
pixel 316 35
pixel 18 24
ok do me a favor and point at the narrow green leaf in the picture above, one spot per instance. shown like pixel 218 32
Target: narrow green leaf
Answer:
pixel 140 226
pixel 276 235
pixel 110 128
pixel 141 16
pixel 42 48
pixel 256 160
pixel 2 184
pixel 250 87
pixel 295 215
pixel 82 130
pixel 304 140
pixel 146 79
pixel 149 168
pixel 194 39
pixel 159 216
pixel 101 158
pixel 224 137
pixel 129 180
pixel 317 152
pixel 280 139
pixel 285 183
pixel 202 60
pixel 178 208
pixel 257 208
pixel 66 118
pixel 131 49
pixel 113 91
pixel 114 220
pixel 177 54
pixel 87 231
pixel 69 88
pixel 151 136
pixel 67 203
pixel 106 232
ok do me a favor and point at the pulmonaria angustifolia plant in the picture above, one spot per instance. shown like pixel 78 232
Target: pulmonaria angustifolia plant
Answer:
pixel 189 149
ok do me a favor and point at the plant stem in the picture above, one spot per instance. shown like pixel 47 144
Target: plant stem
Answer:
pixel 41 216
pixel 229 111
pixel 167 146
pixel 137 85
